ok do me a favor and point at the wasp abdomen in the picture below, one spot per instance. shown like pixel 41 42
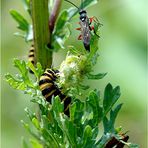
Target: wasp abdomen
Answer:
pixel 87 46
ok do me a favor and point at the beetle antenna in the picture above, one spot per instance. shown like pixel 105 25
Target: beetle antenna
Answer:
pixel 72 3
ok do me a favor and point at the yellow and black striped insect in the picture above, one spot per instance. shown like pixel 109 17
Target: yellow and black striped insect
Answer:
pixel 31 56
pixel 49 88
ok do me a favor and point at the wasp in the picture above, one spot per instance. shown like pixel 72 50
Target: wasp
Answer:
pixel 86 27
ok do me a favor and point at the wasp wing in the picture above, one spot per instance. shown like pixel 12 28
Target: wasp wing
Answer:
pixel 85 31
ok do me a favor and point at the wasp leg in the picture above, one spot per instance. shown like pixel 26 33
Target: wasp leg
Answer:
pixel 91 19
pixel 91 28
pixel 80 37
pixel 78 29
pixel 96 33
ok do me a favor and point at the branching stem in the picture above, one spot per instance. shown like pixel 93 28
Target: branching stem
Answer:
pixel 41 31
pixel 54 14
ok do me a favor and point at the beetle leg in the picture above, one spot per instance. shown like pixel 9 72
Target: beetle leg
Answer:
pixel 78 29
pixel 80 37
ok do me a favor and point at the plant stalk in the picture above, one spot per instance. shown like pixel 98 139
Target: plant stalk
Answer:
pixel 54 14
pixel 41 31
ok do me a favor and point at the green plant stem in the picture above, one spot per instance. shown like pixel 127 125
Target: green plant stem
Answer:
pixel 54 14
pixel 41 31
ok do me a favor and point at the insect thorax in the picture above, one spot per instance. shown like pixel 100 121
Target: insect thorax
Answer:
pixel 83 15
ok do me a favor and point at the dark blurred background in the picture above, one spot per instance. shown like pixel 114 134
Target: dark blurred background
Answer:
pixel 123 51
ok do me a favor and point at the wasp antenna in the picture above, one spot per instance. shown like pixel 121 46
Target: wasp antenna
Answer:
pixel 72 4
pixel 81 4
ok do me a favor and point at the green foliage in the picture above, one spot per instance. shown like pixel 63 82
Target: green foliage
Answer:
pixel 53 128
pixel 86 3
pixel 27 6
pixel 24 143
pixel 50 127
pixel 23 80
pixel 78 66
pixel 61 31
pixel 97 76
pixel 110 97
pixel 22 23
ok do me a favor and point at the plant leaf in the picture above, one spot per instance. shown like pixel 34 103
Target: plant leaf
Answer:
pixel 22 22
pixel 113 115
pixel 24 143
pixel 61 21
pixel 93 101
pixel 106 124
pixel 33 133
pixel 110 97
pixel 103 140
pixel 38 71
pixel 68 128
pixel 72 111
pixel 87 136
pixel 19 34
pixel 131 145
pixel 29 34
pixel 97 76
pixel 14 83
pixel 57 106
pixel 21 65
pixel 49 138
pixel 79 111
pixel 86 3
pixel 61 31
pixel 35 143
pixel 36 123
pixel 29 113
pixel 27 6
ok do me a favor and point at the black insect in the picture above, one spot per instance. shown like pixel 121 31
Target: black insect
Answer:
pixel 85 28
pixel 49 88
pixel 31 56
